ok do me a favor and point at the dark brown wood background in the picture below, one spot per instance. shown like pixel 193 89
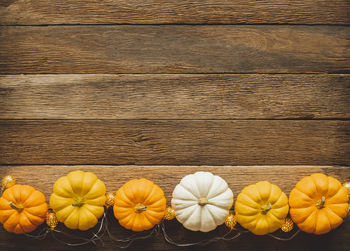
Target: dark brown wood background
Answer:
pixel 249 90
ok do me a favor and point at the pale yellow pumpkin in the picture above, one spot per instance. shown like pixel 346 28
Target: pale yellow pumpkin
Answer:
pixel 78 199
pixel 261 208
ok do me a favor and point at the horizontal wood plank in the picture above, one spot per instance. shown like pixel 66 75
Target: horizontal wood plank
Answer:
pixel 29 12
pixel 167 177
pixel 174 96
pixel 175 142
pixel 174 49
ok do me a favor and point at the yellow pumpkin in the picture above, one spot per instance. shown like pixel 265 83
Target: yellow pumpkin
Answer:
pixel 139 205
pixel 261 208
pixel 22 209
pixel 78 199
pixel 318 203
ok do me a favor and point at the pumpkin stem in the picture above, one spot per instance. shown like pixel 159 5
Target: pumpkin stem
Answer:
pixel 78 202
pixel 139 208
pixel 265 208
pixel 19 208
pixel 203 201
pixel 320 203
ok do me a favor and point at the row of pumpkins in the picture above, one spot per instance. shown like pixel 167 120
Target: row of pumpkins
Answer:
pixel 201 202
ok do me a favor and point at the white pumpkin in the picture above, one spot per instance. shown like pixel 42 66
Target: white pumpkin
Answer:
pixel 202 201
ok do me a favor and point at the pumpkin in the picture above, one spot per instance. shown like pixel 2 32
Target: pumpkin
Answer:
pixel 22 209
pixel 139 205
pixel 261 208
pixel 78 200
pixel 202 201
pixel 318 203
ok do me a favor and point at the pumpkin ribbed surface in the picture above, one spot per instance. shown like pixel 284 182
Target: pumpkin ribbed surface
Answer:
pixel 78 200
pixel 22 209
pixel 261 208
pixel 139 205
pixel 318 203
pixel 202 201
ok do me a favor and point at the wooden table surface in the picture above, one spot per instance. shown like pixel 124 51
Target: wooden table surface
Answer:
pixel 249 90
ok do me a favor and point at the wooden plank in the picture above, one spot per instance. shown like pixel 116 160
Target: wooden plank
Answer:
pixel 167 177
pixel 175 142
pixel 174 96
pixel 174 49
pixel 180 11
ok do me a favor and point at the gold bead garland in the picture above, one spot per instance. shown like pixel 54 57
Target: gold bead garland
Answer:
pixel 287 225
pixel 169 213
pixel 109 199
pixel 8 181
pixel 51 219
pixel 231 221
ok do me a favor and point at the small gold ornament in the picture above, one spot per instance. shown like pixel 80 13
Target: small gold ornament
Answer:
pixel 51 219
pixel 109 199
pixel 287 225
pixel 347 186
pixel 169 213
pixel 8 181
pixel 231 221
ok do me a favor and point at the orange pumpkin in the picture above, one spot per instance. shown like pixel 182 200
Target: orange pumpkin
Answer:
pixel 22 209
pixel 139 205
pixel 318 203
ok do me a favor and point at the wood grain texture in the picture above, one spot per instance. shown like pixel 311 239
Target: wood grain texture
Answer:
pixel 174 49
pixel 175 142
pixel 29 12
pixel 167 177
pixel 142 106
pixel 174 96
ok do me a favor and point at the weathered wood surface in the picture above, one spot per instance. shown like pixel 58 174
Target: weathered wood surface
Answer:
pixel 33 12
pixel 175 142
pixel 167 177
pixel 141 106
pixel 177 96
pixel 174 49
